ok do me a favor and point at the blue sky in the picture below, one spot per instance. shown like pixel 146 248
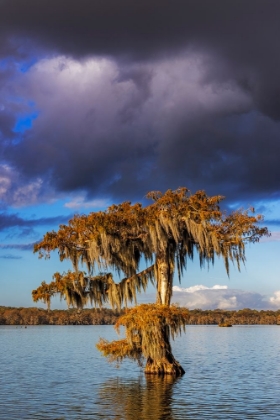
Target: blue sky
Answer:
pixel 107 106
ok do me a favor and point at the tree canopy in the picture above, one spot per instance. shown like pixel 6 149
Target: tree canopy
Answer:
pixel 165 233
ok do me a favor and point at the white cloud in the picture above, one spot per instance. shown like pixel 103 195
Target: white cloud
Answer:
pixel 275 300
pixel 219 296
pixel 28 193
pixel 80 202
pixel 198 287
pixel 15 190
pixel 4 185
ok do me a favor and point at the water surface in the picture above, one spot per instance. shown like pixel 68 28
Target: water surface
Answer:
pixel 55 372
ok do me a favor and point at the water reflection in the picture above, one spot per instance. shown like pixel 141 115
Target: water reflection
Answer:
pixel 148 397
pixel 230 374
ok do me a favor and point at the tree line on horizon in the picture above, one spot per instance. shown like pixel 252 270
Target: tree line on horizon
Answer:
pixel 106 316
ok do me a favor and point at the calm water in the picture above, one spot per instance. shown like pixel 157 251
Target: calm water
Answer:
pixel 55 372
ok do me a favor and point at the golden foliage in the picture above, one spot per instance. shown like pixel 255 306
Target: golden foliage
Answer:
pixel 79 289
pixel 147 329
pixel 44 293
pixel 118 350
pixel 167 231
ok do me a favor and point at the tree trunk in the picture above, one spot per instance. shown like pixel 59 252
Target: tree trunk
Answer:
pixel 164 280
pixel 165 362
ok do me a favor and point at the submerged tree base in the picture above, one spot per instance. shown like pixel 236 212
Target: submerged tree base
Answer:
pixel 148 329
pixel 164 367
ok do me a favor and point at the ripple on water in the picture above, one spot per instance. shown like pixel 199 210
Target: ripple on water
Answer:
pixel 55 372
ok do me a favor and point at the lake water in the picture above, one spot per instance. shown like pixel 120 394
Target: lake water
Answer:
pixel 55 372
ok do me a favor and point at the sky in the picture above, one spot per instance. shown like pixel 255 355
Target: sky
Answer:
pixel 102 101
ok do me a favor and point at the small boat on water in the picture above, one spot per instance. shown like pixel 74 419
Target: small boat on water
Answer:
pixel 225 324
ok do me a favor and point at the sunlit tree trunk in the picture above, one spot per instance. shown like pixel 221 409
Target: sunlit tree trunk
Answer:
pixel 164 279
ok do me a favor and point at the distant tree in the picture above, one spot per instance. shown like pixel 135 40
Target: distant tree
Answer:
pixel 165 234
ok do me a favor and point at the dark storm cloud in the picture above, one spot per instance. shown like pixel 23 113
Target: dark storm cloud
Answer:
pixel 240 34
pixel 6 123
pixel 143 28
pixel 8 221
pixel 188 94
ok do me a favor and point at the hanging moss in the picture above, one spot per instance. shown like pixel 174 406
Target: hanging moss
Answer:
pixel 165 234
pixel 147 329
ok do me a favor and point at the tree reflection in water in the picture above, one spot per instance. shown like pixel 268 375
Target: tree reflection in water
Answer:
pixel 149 397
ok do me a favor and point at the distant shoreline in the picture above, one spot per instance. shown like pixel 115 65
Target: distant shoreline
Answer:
pixel 106 316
